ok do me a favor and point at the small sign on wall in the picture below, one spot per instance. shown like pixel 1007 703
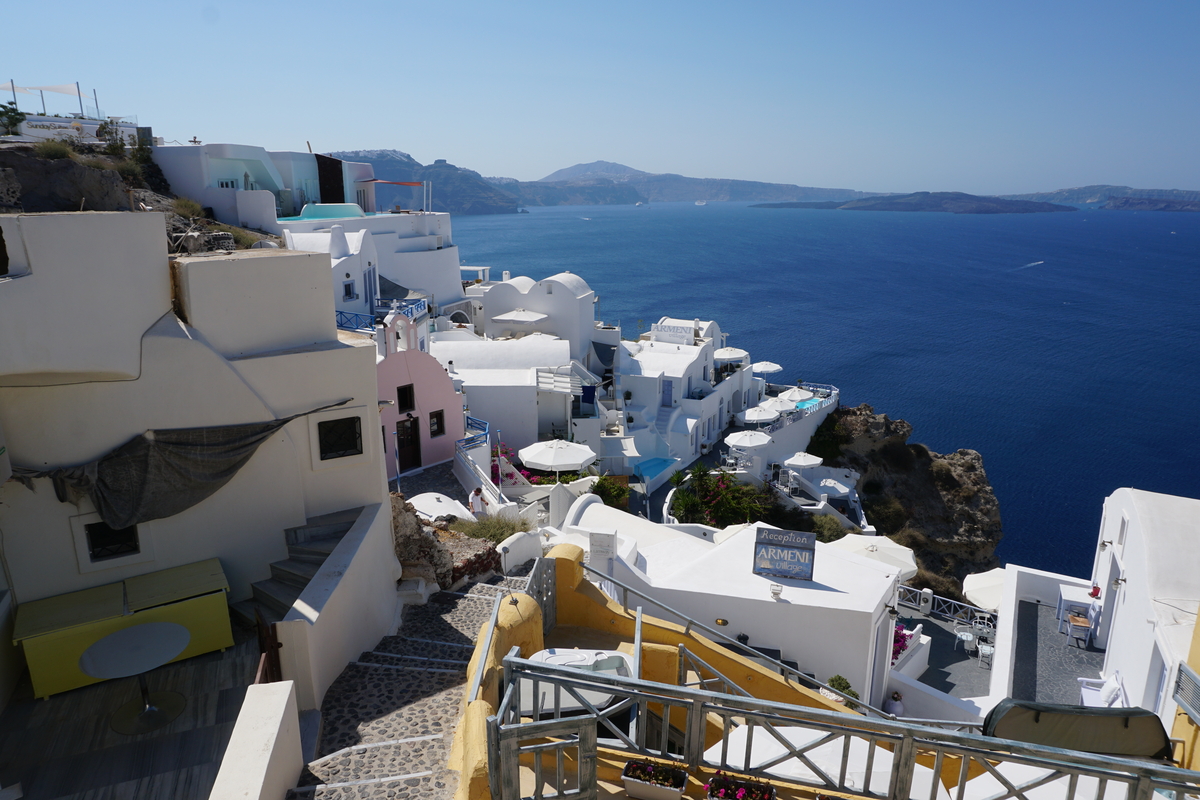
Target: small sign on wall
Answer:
pixel 784 554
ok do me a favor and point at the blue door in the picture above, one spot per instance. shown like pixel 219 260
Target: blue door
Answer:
pixel 668 388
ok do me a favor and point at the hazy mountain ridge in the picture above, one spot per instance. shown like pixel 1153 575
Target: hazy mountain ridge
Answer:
pixel 949 202
pixel 603 169
pixel 456 190
pixel 1101 193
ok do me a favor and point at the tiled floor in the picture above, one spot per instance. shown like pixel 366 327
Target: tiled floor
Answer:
pixel 439 478
pixel 64 747
pixel 1046 669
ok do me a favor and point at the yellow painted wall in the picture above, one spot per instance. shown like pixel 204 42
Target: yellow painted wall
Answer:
pixel 1184 728
pixel 581 603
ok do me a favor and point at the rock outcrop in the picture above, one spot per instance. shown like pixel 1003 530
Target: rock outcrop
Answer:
pixel 63 184
pixel 940 505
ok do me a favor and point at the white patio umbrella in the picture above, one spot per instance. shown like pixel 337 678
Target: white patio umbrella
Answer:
pixel 766 367
pixel 556 455
pixel 801 460
pixel 520 316
pixel 985 589
pixel 796 394
pixel 778 404
pixel 757 414
pixel 730 354
pixel 747 440
pixel 881 549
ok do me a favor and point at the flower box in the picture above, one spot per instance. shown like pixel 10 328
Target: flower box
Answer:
pixel 723 787
pixel 653 781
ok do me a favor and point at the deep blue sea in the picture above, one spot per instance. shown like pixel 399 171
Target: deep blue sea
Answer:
pixel 1063 347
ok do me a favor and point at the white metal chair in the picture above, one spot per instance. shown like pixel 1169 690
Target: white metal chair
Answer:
pixel 986 653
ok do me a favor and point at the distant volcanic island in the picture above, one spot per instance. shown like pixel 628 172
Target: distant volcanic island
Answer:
pixel 952 202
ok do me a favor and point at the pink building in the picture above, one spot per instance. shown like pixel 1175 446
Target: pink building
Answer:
pixel 421 413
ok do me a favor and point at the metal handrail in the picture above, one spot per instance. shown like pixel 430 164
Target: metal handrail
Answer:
pixel 477 680
pixel 944 606
pixel 785 670
pixel 903 740
pixel 350 321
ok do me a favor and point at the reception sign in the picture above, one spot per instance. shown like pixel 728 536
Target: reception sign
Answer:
pixel 784 554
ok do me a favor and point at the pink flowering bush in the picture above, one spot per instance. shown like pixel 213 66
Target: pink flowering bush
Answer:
pixel 900 642
pixel 671 777
pixel 727 788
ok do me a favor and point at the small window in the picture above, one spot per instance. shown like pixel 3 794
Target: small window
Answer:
pixel 339 438
pixel 105 542
pixel 348 291
pixel 405 398
pixel 437 423
pixel 231 183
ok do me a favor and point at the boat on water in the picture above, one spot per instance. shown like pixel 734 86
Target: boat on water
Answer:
pixel 701 202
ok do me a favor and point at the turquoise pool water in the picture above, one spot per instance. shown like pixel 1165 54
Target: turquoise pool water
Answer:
pixel 651 468
pixel 326 211
pixel 809 403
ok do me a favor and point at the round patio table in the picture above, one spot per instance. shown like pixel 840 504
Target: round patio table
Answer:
pixel 135 651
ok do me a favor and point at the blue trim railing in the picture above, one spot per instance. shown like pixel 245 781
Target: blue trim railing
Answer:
pixel 478 438
pixel 827 394
pixel 350 321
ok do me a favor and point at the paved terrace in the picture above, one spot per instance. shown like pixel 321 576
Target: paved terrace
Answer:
pixel 1045 668
pixel 64 747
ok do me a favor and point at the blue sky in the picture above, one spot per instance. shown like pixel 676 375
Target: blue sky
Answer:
pixel 881 96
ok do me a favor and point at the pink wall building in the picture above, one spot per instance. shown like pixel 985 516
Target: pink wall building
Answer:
pixel 425 417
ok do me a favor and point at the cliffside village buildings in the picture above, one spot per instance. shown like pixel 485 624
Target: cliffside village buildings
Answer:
pixel 169 451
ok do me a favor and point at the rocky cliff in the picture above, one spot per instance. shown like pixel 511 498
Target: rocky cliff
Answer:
pixel 940 505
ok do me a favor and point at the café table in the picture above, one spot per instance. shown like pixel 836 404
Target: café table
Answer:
pixel 135 651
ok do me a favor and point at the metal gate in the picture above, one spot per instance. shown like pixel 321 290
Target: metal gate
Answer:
pixel 552 740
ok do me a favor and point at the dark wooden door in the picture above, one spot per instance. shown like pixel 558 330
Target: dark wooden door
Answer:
pixel 408 444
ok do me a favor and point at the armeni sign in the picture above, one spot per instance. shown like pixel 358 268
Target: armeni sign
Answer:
pixel 675 334
pixel 784 554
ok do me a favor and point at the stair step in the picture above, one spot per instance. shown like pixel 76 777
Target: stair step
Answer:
pixel 324 526
pixel 411 662
pixel 439 785
pixel 406 646
pixel 383 760
pixel 244 611
pixel 275 594
pixel 314 551
pixel 294 572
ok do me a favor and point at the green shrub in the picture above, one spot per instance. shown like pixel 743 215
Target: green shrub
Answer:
pixel 943 476
pixel 611 491
pixel 885 513
pixel 828 439
pixel 942 585
pixel 131 172
pixel 241 237
pixel 187 207
pixel 96 163
pixel 843 686
pixel 492 528
pixel 827 528
pixel 10 117
pixel 53 149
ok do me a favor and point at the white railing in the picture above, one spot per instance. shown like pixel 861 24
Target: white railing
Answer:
pixel 945 607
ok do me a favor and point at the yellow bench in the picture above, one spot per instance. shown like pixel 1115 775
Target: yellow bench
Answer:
pixel 55 631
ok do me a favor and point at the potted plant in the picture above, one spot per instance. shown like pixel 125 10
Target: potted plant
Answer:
pixel 628 395
pixel 648 781
pixel 841 685
pixel 894 705
pixel 725 787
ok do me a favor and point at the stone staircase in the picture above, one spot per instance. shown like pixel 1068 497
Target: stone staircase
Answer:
pixel 662 422
pixel 389 719
pixel 308 547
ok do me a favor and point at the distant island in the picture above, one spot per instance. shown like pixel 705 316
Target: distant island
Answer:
pixel 605 182
pixel 1102 193
pixel 950 202
pixel 1150 204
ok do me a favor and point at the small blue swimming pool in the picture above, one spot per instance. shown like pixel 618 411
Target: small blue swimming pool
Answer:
pixel 651 468
pixel 809 403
